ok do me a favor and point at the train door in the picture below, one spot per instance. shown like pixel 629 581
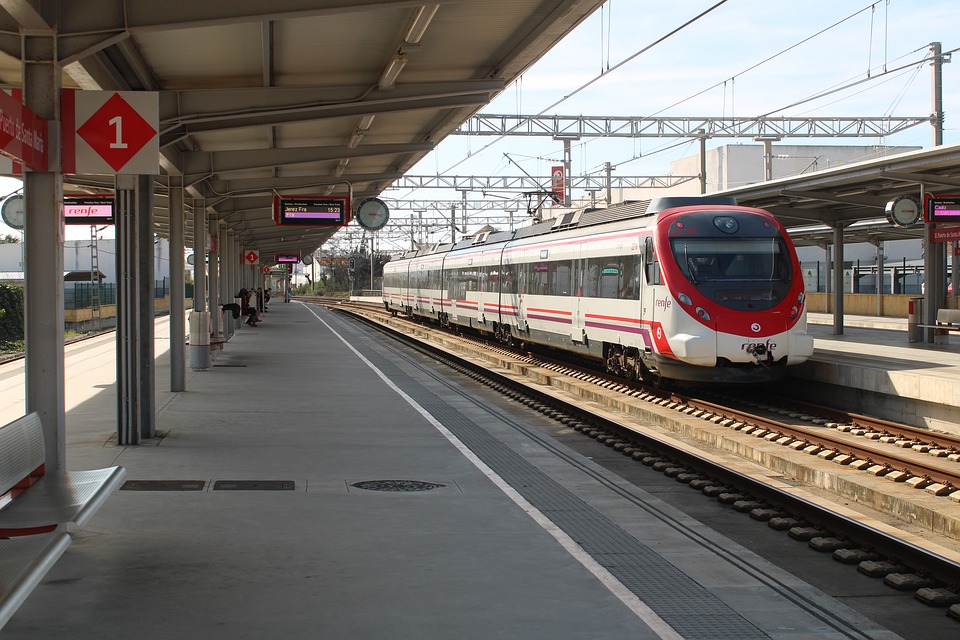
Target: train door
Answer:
pixel 523 294
pixel 651 284
pixel 577 327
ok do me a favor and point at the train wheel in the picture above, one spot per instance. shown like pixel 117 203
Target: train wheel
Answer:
pixel 613 360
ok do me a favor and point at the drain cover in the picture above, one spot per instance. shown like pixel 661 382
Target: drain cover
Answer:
pixel 163 485
pixel 396 485
pixel 254 485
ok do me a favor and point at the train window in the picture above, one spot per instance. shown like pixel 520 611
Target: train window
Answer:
pixel 630 278
pixel 743 259
pixel 470 280
pixel 609 286
pixel 538 279
pixel 561 278
pixel 590 279
pixel 651 264
pixel 503 279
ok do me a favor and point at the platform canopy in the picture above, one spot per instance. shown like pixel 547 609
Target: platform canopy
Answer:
pixel 297 97
pixel 855 195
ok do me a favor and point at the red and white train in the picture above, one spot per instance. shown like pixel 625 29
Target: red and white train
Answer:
pixel 690 288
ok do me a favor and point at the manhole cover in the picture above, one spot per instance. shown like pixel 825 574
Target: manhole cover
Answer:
pixel 163 485
pixel 396 485
pixel 254 485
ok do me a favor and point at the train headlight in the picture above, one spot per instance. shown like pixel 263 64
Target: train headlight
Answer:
pixel 684 298
pixel 801 297
pixel 726 224
pixel 703 314
pixel 793 312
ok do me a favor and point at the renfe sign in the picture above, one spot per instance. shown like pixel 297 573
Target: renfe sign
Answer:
pixel 23 134
pixel 88 210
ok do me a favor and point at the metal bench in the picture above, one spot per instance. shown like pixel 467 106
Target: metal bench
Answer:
pixel 34 505
pixel 23 564
pixel 947 320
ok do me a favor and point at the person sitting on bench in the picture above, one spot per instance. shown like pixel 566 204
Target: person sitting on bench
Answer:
pixel 248 310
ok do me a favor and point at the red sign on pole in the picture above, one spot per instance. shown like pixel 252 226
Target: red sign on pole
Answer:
pixel 558 183
pixel 251 257
pixel 945 234
pixel 23 134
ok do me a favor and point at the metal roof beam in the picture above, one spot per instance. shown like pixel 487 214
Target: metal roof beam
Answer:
pixel 685 127
pixel 202 163
pixel 827 196
pixel 197 111
pixel 920 178
pixel 533 183
pixel 150 15
pixel 246 187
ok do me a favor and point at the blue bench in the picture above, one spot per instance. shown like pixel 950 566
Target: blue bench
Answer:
pixel 34 506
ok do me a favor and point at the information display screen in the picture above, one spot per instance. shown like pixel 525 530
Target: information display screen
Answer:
pixel 318 211
pixel 287 258
pixel 88 210
pixel 943 209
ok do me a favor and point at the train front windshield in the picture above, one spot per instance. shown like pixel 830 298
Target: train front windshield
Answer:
pixel 735 268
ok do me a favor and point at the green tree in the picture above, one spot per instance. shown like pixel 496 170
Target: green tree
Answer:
pixel 10 239
pixel 11 313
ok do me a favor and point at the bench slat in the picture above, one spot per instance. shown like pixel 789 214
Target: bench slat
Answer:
pixel 21 450
pixel 948 316
pixel 23 564
pixel 72 497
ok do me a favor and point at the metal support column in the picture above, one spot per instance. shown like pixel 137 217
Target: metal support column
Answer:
pixel 146 305
pixel 200 317
pixel 879 279
pixel 227 270
pixel 128 318
pixel 838 279
pixel 43 255
pixel 936 92
pixel 703 160
pixel 213 279
pixel 607 168
pixel 178 370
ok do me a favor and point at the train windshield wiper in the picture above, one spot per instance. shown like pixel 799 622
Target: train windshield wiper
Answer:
pixel 691 268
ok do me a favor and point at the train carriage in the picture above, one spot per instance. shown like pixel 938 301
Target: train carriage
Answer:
pixel 695 289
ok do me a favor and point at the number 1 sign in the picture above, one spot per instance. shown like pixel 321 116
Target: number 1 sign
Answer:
pixel 108 132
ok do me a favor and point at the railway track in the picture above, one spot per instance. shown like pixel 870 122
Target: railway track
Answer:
pixel 802 447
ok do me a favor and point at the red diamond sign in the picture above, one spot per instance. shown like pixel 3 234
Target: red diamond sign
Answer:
pixel 110 132
pixel 251 257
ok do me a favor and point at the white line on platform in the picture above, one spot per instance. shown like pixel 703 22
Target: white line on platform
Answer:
pixel 617 588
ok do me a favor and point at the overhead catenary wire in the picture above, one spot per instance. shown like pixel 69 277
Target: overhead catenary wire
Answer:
pixel 598 77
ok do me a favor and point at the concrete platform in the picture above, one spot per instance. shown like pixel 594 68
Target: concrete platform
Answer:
pixel 875 361
pixel 520 538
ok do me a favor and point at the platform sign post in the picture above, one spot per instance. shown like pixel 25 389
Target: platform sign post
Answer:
pixel 110 132
pixel 558 183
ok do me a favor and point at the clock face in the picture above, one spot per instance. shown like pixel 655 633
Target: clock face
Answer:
pixel 373 214
pixel 12 211
pixel 903 211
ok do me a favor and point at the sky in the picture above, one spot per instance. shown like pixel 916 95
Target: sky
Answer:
pixel 745 58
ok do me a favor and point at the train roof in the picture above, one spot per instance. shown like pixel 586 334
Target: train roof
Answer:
pixel 580 218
